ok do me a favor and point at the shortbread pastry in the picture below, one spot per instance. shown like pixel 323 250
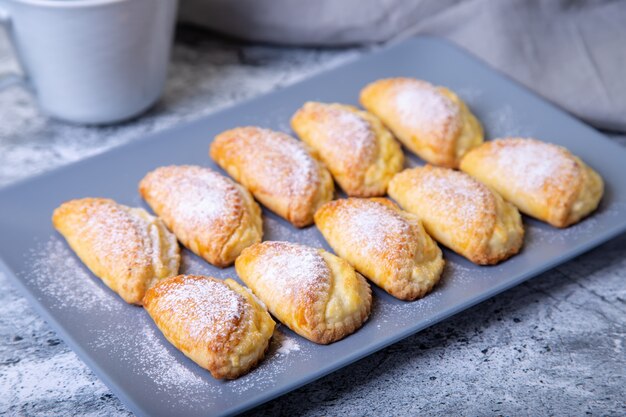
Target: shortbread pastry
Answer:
pixel 460 212
pixel 210 214
pixel 543 180
pixel 431 121
pixel 217 324
pixel 387 245
pixel 281 172
pixel 126 247
pixel 360 153
pixel 313 292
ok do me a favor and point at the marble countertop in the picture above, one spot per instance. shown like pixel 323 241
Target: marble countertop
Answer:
pixel 551 346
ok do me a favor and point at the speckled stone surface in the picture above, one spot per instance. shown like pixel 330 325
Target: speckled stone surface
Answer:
pixel 552 346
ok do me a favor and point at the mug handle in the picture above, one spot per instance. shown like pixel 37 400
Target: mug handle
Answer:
pixel 11 78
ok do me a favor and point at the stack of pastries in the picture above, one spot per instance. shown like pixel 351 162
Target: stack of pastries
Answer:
pixel 468 198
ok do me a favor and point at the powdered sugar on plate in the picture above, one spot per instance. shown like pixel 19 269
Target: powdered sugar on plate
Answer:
pixel 470 94
pixel 283 344
pixel 387 313
pixel 61 276
pixel 144 351
pixel 278 229
pixel 504 121
pixel 284 350
pixel 287 346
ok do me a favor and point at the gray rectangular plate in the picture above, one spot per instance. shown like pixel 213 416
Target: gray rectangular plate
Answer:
pixel 122 346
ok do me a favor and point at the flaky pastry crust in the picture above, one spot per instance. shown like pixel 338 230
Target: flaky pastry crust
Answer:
pixel 460 213
pixel 210 214
pixel 127 248
pixel 217 324
pixel 280 171
pixel 387 245
pixel 360 153
pixel 543 180
pixel 433 122
pixel 313 292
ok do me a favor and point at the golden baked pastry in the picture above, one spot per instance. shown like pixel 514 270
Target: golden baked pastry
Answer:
pixel 280 171
pixel 543 180
pixel 126 247
pixel 460 212
pixel 358 150
pixel 210 214
pixel 313 292
pixel 387 245
pixel 217 324
pixel 431 121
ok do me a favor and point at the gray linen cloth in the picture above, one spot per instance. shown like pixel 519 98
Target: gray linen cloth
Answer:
pixel 571 52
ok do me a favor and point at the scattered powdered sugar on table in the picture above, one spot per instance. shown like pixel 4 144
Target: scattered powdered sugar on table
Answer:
pixel 45 379
pixel 61 276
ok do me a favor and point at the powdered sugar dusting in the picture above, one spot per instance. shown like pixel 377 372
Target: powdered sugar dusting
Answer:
pixel 282 164
pixel 423 107
pixel 201 307
pixel 296 270
pixel 62 278
pixel 534 166
pixel 454 192
pixel 372 226
pixel 288 163
pixel 195 196
pixel 120 237
pixel 351 140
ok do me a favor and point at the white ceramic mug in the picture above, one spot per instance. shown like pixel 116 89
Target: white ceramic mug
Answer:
pixel 91 61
